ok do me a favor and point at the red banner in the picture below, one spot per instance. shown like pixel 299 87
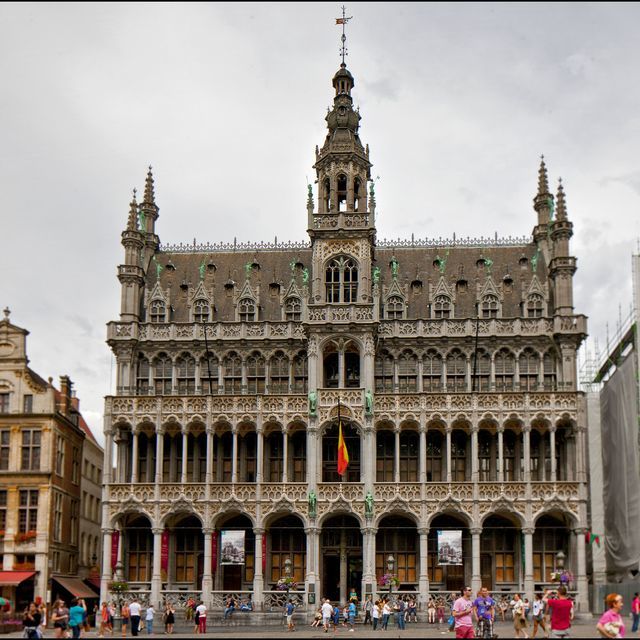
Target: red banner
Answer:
pixel 115 541
pixel 264 553
pixel 214 552
pixel 164 551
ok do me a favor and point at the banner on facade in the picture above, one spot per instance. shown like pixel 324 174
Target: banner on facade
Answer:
pixel 214 552
pixel 232 547
pixel 450 547
pixel 115 540
pixel 164 551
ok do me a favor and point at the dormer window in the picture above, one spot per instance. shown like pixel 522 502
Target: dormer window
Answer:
pixel 442 307
pixel 490 306
pixel 158 311
pixel 395 308
pixel 247 310
pixel 341 279
pixel 201 311
pixel 535 306
pixel 293 310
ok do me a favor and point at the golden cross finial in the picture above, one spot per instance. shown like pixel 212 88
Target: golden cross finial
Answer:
pixel 343 21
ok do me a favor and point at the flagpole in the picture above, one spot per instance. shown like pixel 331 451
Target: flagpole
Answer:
pixel 339 427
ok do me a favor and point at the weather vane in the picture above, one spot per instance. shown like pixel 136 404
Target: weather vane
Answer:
pixel 343 21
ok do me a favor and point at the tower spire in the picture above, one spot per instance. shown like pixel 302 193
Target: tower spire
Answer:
pixel 149 194
pixel 343 21
pixel 543 182
pixel 561 207
pixel 132 222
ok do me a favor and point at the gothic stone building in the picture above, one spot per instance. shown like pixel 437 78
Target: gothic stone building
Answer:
pixel 452 368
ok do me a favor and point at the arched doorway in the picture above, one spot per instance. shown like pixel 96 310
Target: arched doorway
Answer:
pixel 500 553
pixel 397 536
pixel 235 573
pixel 286 540
pixel 137 548
pixel 443 575
pixel 550 547
pixel 341 557
pixel 186 552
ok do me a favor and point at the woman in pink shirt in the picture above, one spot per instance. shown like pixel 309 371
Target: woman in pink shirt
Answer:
pixel 611 624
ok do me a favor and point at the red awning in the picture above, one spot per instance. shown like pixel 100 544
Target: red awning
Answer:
pixel 14 578
pixel 75 587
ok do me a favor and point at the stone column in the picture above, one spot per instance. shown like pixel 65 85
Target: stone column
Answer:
pixel 422 471
pixel 343 566
pixel 341 380
pixel 159 455
pixel 526 436
pixel 259 453
pixel 209 471
pixel 369 456
pixel 476 576
pixel 207 575
pixel 108 457
pixel 185 455
pixel 106 576
pixel 582 585
pixel 500 455
pixel 528 532
pixel 134 457
pixel 368 560
pixel 285 455
pixel 234 454
pixel 423 578
pixel 552 442
pixel 396 457
pixel 156 576
pixel 474 453
pixel 258 576
pixel 448 433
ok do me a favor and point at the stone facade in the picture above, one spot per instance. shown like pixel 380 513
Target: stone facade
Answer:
pixel 451 367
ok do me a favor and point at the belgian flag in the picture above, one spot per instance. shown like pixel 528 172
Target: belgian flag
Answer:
pixel 343 454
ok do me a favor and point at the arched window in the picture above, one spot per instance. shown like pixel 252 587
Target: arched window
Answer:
pixel 482 365
pixel 529 365
pixel 274 455
pixel 297 471
pixel 459 456
pixel 341 280
pixel 279 373
pixel 331 368
pixel 486 457
pixel 351 366
pixel 456 371
pixel 255 373
pixel 385 455
pixel 357 186
pixel 142 376
pixel 186 375
pixel 300 375
pixel 326 195
pixel 293 310
pixel 549 371
pixel 490 306
pixel 247 310
pixel 442 307
pixel 342 192
pixel 432 372
pixel 201 311
pixel 409 455
pixel 504 363
pixel 139 550
pixel 395 308
pixel 510 451
pixel 408 372
pixel 158 311
pixel 384 372
pixel 163 375
pixel 535 306
pixel 434 456
pixel 233 374
pixel 209 374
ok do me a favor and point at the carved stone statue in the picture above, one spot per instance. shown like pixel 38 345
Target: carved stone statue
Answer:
pixel 313 504
pixel 368 402
pixel 376 275
pixel 395 266
pixel 313 403
pixel 368 504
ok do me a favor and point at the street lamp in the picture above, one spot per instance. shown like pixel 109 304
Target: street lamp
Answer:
pixel 391 561
pixel 560 557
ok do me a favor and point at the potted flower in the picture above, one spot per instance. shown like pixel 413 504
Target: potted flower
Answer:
pixel 117 586
pixel 388 580
pixel 286 584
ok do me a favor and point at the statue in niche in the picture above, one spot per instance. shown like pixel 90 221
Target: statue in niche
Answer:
pixel 368 504
pixel 313 403
pixel 368 402
pixel 313 504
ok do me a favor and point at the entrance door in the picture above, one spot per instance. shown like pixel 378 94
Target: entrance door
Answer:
pixel 486 570
pixel 331 578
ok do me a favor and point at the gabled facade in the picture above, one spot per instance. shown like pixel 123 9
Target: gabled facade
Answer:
pixel 451 367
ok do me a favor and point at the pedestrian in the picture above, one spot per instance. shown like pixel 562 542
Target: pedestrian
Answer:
pixel 440 610
pixel 560 610
pixel 375 614
pixel 104 620
pixel 60 618
pixel 386 612
pixel 412 610
pixel 317 619
pixel 169 618
pixel 134 610
pixel 367 607
pixel 431 611
pixel 538 615
pixel 611 624
pixel 31 620
pixel 327 613
pixel 148 618
pixel 519 619
pixel 76 617
pixel 351 614
pixel 399 610
pixel 229 608
pixel 461 612
pixel 635 612
pixel 201 612
pixel 126 617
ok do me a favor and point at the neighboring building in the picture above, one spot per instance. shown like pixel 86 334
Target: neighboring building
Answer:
pixel 614 460
pixel 41 449
pixel 451 366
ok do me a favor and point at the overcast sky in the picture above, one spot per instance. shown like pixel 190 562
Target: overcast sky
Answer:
pixel 227 102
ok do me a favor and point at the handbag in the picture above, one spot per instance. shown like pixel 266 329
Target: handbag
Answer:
pixel 452 623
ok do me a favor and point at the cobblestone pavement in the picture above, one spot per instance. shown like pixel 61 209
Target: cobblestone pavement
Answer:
pixel 583 628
